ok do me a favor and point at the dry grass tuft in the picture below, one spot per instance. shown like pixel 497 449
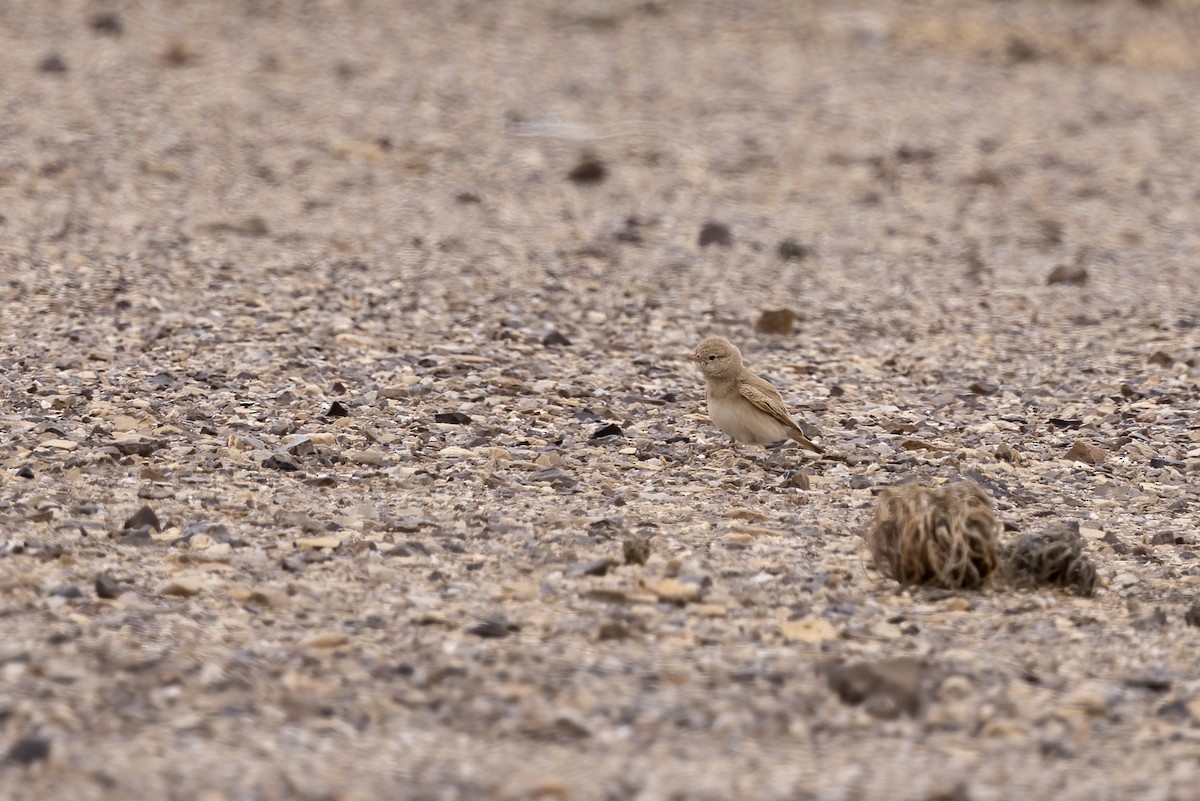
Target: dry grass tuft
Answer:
pixel 941 537
pixel 1053 558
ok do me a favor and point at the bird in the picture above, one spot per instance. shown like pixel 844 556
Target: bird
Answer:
pixel 741 404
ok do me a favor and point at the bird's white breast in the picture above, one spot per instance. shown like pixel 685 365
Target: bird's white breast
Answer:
pixel 738 418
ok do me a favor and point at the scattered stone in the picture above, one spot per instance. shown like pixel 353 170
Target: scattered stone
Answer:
pixel 1161 358
pixel 24 471
pixel 1083 451
pixel 407 548
pixel 66 591
pixel 280 462
pixel 52 64
pixel 791 250
pixel 941 537
pixel 636 550
pixel 610 430
pixel 1068 274
pixel 494 628
pixel 1154 683
pixel 107 23
pixel 795 479
pixel 555 477
pixel 566 725
pixel 588 170
pixel 319 543
pixel 28 750
pixel 612 630
pixel 1154 621
pixel 777 321
pixel 886 689
pixel 1192 615
pixel 812 630
pixel 180 54
pixel 180 588
pixel 336 409
pixel 678 592
pixel 61 444
pixel 138 447
pixel 299 445
pixel 984 388
pixel 107 587
pixel 596 567
pixel 370 456
pixel 143 519
pixel 556 339
pixel 715 233
pixel 1115 542
pixel 453 418
pixel 325 641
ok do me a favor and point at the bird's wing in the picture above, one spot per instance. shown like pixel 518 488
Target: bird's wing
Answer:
pixel 765 397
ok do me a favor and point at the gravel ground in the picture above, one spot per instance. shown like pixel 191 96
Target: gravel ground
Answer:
pixel 349 450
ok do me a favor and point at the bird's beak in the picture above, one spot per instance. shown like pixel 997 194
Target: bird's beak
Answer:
pixel 691 357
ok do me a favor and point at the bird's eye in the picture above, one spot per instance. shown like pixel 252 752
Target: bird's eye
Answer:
pixel 712 357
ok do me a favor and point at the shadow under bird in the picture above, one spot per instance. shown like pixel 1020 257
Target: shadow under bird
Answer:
pixel 741 404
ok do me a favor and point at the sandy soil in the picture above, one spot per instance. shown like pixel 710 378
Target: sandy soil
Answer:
pixel 311 312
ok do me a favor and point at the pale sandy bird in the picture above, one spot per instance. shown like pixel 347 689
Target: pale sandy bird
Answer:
pixel 741 404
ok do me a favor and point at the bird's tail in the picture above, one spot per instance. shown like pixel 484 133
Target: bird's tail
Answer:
pixel 804 441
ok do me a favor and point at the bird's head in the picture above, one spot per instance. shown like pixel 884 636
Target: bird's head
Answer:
pixel 718 358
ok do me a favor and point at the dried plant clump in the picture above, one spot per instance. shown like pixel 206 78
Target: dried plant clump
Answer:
pixel 940 537
pixel 1053 558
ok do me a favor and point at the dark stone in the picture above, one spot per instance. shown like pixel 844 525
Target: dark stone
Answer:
pixel 66 591
pixel 107 23
pixel 336 409
pixel 1192 615
pixel 1153 683
pixel 556 477
pixel 791 250
pixel 1067 275
pixel 454 418
pixel 107 586
pixel 25 471
pixel 52 64
pixel 1161 358
pixel 907 154
pixel 887 689
pixel 280 463
pixel 143 519
pixel 554 338
pixel 612 630
pixel 28 750
pixel 610 430
pixel 596 567
pixel 589 170
pixel 775 321
pixel 795 479
pixel 493 629
pixel 715 233
pixel 407 548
